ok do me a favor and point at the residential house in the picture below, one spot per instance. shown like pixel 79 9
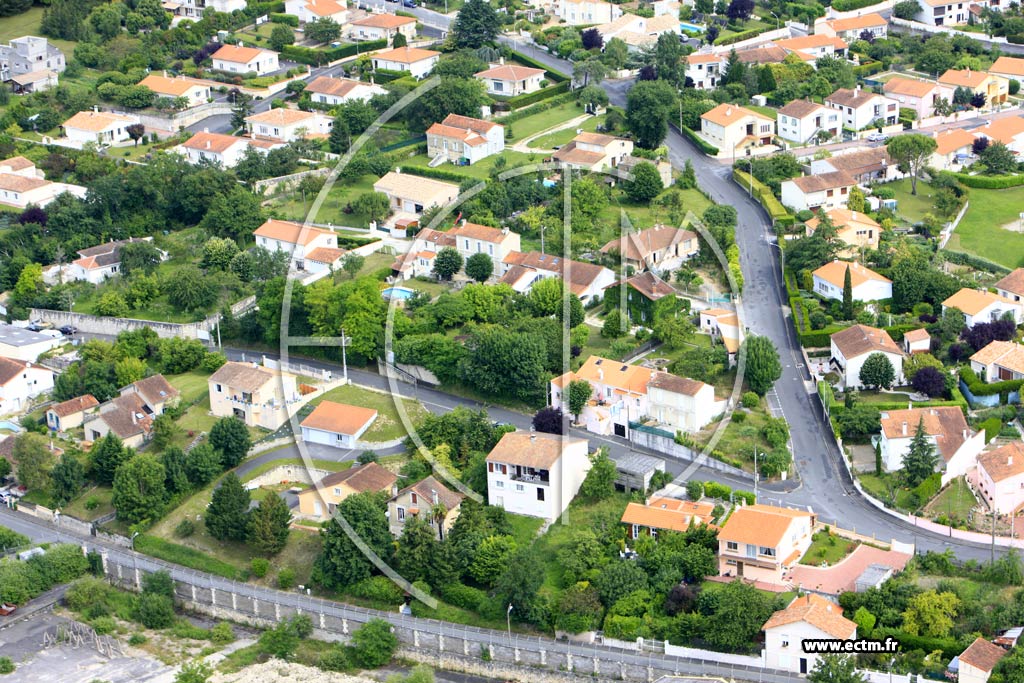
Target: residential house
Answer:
pixel 978 661
pixel 943 12
pixel 224 150
pixel 586 12
pixel 242 60
pixel 722 324
pixel 192 90
pixel 20 382
pixel 919 96
pixel 852 346
pixel 594 151
pixel 430 500
pixel 416 61
pixel 1011 286
pixel 29 55
pixel 999 361
pixel 995 88
pixel 660 249
pixel 817 45
pixel 586 280
pixel 1000 478
pixel 34 81
pixel 322 500
pixel 855 229
pixel 801 121
pixel 536 474
pixel 22 184
pixel 681 403
pixel 640 32
pixel 337 424
pixel 769 54
pixel 382 27
pixel 917 341
pixel 982 306
pixel 760 542
pixel 646 297
pixel 665 514
pixel 464 140
pixel 155 391
pixel 509 80
pixel 704 69
pixel 286 125
pixel 863 108
pixel 1010 68
pixel 947 430
pixel 953 149
pixel 98 127
pixel 664 168
pixel 813 192
pixel 96 264
pixel 1009 131
pixel 20 344
pixel 69 414
pixel 256 395
pixel 808 617
pixel 310 247
pixel 130 415
pixel 412 194
pixel 866 165
pixel 313 10
pixel 193 9
pixel 332 91
pixel 853 28
pixel 730 127
pixel 472 238
pixel 866 284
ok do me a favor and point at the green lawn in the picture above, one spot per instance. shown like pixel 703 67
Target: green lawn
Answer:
pixel 981 232
pixel 531 125
pixel 954 501
pixel 333 210
pixel 912 208
pixel 27 24
pixel 878 486
pixel 388 424
pixel 524 529
pixel 329 465
pixel 192 385
pixel 562 137
pixel 98 494
pixel 827 548
pixel 481 170
pixel 646 214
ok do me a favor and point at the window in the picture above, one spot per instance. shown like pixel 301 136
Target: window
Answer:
pixel 504 469
pixel 490 467
pixel 636 531
pixel 499 484
pixel 732 545
pixel 785 641
pixel 520 488
pixel 337 491
pixel 769 552
pixel 401 514
pixel 540 493
pixel 751 550
pixel 415 498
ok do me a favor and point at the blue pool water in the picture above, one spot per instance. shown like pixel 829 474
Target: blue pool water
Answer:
pixel 10 426
pixel 690 27
pixel 549 183
pixel 400 293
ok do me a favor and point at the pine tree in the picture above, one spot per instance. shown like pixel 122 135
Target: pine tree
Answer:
pixel 847 295
pixel 107 455
pixel 268 525
pixel 227 516
pixel 920 459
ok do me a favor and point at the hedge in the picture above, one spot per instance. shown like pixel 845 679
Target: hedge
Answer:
pixel 556 76
pixel 708 149
pixel 742 35
pixel 964 259
pixel 305 55
pixel 436 173
pixel 535 109
pixel 776 211
pixel 867 69
pixel 990 182
pixel 850 5
pixel 949 646
pixel 520 101
pixel 289 19
pixel 980 388
pixel 927 489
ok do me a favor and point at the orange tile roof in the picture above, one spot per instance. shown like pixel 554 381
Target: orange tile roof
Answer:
pixel 510 72
pixel 760 524
pixel 1006 354
pixel 18 163
pixel 286 231
pixel 857 340
pixel 361 478
pixel 812 41
pixel 324 8
pixel 842 218
pixel 531 449
pixel 339 87
pixel 213 142
pixel 951 140
pixel 325 255
pixel 384 21
pixel 854 23
pixel 824 181
pixel 281 116
pixel 1013 282
pixel 95 121
pixel 616 374
pixel 467 136
pixel 75 405
pixel 945 423
pixel 1004 130
pixel 1013 66
pixel 983 655
pixel 912 87
pixel 919 334
pixel 483 233
pixel 162 85
pixel 697 58
pixel 668 513
pixel 238 54
pixel 834 273
pixel 406 55
pixel 339 418
pixel 817 611
pixel 1003 462
pixel 974 301
pixel 727 114
pixel 963 77
pixel 19 183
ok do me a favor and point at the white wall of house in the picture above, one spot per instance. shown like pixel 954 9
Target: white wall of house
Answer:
pixel 31 382
pixel 851 366
pixel 335 439
pixel 872 290
pixel 783 646
pixel 794 197
pixel 524 497
pixel 682 411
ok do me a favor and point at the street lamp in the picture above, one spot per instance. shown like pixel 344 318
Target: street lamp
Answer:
pixel 756 456
pixel 133 540
pixel 777 24
pixel 508 621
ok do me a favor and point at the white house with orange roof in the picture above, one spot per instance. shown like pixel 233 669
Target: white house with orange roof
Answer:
pixel 98 127
pixel 238 59
pixel 382 27
pixel 594 151
pixel 586 12
pixel 464 140
pixel 194 90
pixel 800 121
pixel 946 428
pixel 1011 286
pixel 1000 478
pixel 953 148
pixel 225 150
pixel 472 238
pixel 862 108
pixel 978 661
pixel 21 184
pixel 995 88
pixel 520 270
pixel 337 424
pixel 536 474
pixel 760 542
pixel 509 80
pixel 639 32
pixel 817 45
pixel 193 9
pixel 855 229
pixel 286 124
pixel 704 69
pixel 852 28
pixel 682 404
pixel 332 91
pixel 732 128
pixel 982 306
pixel 854 345
pixel 660 513
pixel 722 324
pixel 1010 68
pixel 819 191
pixel 999 361
pixel 415 61
pixel 917 341
pixel 313 10
pixel 96 264
pixel 943 12
pixel 867 285
pixel 256 395
pixel 1009 131
pixel 917 95
pixel 21 381
pixel 312 249
pixel 412 194
pixel 808 617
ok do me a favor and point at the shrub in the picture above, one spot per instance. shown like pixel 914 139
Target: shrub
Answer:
pixel 103 625
pixel 259 567
pixel 286 578
pixel 334 659
pixel 222 634
pixel 184 529
pixel 705 147
pixel 742 35
pixel 373 644
pixel 995 182
pixel 6 665
pixel 712 489
pixel 750 400
pixel 305 55
pixel 520 101
pixel 461 595
pixel 288 19
pixel 137 639
pixel 927 489
pixel 154 611
pixel 378 589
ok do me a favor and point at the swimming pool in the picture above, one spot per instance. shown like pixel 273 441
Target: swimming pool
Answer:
pixel 400 293
pixel 10 426
pixel 690 27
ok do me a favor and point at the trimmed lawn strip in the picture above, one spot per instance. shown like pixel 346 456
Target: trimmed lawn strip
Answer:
pixel 388 424
pixel 562 137
pixel 102 494
pixel 955 501
pixel 981 231
pixel 827 548
pixel 192 385
pixel 909 207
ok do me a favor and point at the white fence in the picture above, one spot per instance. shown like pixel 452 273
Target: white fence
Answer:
pixel 880 7
pixel 928 28
pixel 723 657
pixel 886 677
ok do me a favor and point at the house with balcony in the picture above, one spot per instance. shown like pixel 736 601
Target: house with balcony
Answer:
pixel 382 27
pixel 586 280
pixel 256 395
pixel 802 121
pixel 866 284
pixel 761 542
pixel 855 229
pixel 464 140
pixel 586 12
pixel 982 306
pixel 995 88
pixel 732 128
pixel 238 59
pixel 193 9
pixel 1010 68
pixel 224 150
pixel 854 345
pixel 863 108
pixel 865 164
pixel 665 514
pixel 472 238
pixel 999 361
pixel 682 404
pixel 953 149
pixel 1000 478
pixel 311 249
pixel 943 12
pixel 509 80
pixel 917 95
pixel 660 249
pixel 853 28
pixel 69 414
pixel 704 69
pixel 30 55
pixel 313 10
pixel 20 382
pixel 416 61
pixel 1009 131
pixel 286 125
pixel 333 91
pixel 429 500
pixel 130 415
pixel 536 474
pixel 946 427
pixel 98 127
pixel 412 194
pixel 808 617
pixel 814 192
pixel 193 90
pixel 322 500
pixel 594 151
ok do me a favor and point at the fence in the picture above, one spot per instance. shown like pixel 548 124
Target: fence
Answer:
pixel 322 374
pixel 668 447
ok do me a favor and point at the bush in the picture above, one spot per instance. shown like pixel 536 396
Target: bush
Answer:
pixel 742 35
pixel 305 55
pixel 979 388
pixel 750 400
pixel 525 100
pixel 867 69
pixel 184 529
pixel 137 639
pixel 373 644
pixel 712 489
pixel 222 634
pixel 259 567
pixel 6 665
pixel 991 427
pixel 461 595
pixel 286 578
pixel 927 489
pixel 154 611
pixel 526 60
pixel 378 589
pixel 705 147
pixel 995 182
pixel 776 211
pixel 334 659
pixel 289 19
pixel 103 625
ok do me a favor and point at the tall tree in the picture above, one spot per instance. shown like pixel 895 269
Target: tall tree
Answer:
pixel 173 459
pixel 476 25
pixel 447 263
pixel 202 464
pixel 921 458
pixel 739 612
pixel 230 437
pixel 518 586
pixel 648 106
pixel 35 461
pixel 589 71
pixel 763 368
pixel 911 152
pixel 139 491
pixel 646 183
pixel 341 563
pixel 668 53
pixel 268 525
pixel 599 483
pixel 66 479
pixel 836 669
pixel 227 516
pixel 847 295
pixel 877 372
pixel 479 267
pixel 577 394
pixel 107 455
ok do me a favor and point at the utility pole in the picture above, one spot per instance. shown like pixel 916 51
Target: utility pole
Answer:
pixel 993 533
pixel 542 229
pixel 344 358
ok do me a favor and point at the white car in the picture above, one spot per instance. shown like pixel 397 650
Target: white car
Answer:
pixel 877 137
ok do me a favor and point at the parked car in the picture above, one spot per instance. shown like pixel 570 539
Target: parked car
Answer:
pixel 7 609
pixel 409 3
pixel 877 137
pixel 35 327
pixel 68 330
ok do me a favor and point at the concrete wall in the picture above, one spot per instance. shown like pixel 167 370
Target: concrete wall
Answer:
pixel 670 448
pixel 182 119
pixel 291 473
pixel 94 324
pixel 286 182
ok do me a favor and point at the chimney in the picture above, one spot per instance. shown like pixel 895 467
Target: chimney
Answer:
pixel 394 490
pixel 135 419
pixel 207 144
pixel 501 61
pixel 206 130
pixel 533 436
pixel 165 73
pixel 600 374
pixel 728 111
pixel 462 222
pixel 904 428
pixel 828 607
pixel 1009 460
pixel 239 44
pixel 433 496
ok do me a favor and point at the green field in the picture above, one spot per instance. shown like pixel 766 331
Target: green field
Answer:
pixel 97 494
pixel 27 24
pixel 531 125
pixel 192 385
pixel 481 170
pixel 955 501
pixel 388 424
pixel 827 548
pixel 912 208
pixel 562 137
pixel 982 230
pixel 292 207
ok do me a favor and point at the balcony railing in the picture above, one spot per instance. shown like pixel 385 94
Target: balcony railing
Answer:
pixel 531 477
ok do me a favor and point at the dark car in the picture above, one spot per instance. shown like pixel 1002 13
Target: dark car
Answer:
pixel 68 330
pixel 409 3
